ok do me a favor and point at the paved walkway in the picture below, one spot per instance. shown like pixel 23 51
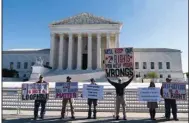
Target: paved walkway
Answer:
pixel 10 116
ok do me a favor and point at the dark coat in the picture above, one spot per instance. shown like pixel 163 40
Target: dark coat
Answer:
pixel 152 105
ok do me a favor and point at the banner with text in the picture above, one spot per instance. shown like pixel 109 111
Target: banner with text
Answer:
pixel 149 94
pixel 93 91
pixel 119 62
pixel 66 90
pixel 174 91
pixel 35 91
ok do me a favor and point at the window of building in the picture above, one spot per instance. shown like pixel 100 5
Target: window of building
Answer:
pixel 25 65
pixel 24 75
pixel 11 65
pixel 168 65
pixel 18 65
pixel 169 76
pixel 32 63
pixel 47 63
pixel 139 74
pixel 161 76
pixel 152 65
pixel 160 65
pixel 144 65
pixel 136 75
pixel 144 75
pixel 136 65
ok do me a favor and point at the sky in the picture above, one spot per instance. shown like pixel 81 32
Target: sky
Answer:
pixel 146 23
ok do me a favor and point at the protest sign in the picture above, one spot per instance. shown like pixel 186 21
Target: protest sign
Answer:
pixel 35 91
pixel 93 91
pixel 149 94
pixel 174 91
pixel 66 90
pixel 119 62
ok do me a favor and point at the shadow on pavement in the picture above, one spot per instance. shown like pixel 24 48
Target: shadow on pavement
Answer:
pixel 82 120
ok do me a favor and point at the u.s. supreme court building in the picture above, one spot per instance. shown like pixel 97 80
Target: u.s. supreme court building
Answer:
pixel 78 43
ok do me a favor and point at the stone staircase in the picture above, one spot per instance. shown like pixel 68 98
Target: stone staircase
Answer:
pixel 76 75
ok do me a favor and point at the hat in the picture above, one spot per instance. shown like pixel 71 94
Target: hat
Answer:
pixel 92 79
pixel 168 78
pixel 40 76
pixel 69 77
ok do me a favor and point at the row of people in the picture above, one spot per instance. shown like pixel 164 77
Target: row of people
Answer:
pixel 64 103
pixel 120 89
pixel 169 104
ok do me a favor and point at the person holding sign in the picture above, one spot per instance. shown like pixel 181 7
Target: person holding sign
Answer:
pixel 40 102
pixel 120 95
pixel 152 105
pixel 90 101
pixel 169 103
pixel 64 103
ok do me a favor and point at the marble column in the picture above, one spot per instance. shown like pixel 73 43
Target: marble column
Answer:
pixel 98 51
pixel 52 51
pixel 79 46
pixel 70 46
pixel 61 46
pixel 117 40
pixel 108 40
pixel 89 62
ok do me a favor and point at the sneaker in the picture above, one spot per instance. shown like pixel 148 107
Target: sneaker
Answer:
pixel 72 117
pixel 124 118
pixel 88 117
pixel 176 119
pixel 167 118
pixel 35 117
pixel 42 117
pixel 117 117
pixel 94 117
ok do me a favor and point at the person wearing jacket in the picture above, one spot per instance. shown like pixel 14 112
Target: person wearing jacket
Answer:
pixel 37 103
pixel 64 103
pixel 92 101
pixel 120 95
pixel 169 103
pixel 152 105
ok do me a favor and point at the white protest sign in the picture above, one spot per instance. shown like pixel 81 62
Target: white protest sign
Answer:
pixel 118 62
pixel 150 94
pixel 35 91
pixel 93 91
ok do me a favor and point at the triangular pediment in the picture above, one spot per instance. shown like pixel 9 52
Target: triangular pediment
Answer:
pixel 85 18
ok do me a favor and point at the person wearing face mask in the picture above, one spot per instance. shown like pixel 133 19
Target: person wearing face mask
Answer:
pixel 65 101
pixel 120 95
pixel 169 103
pixel 92 101
pixel 40 102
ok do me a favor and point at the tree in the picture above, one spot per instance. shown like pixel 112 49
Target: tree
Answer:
pixel 152 75
pixel 9 73
pixel 46 66
pixel 187 75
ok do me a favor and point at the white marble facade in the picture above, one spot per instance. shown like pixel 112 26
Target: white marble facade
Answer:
pixel 78 42
pixel 141 55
